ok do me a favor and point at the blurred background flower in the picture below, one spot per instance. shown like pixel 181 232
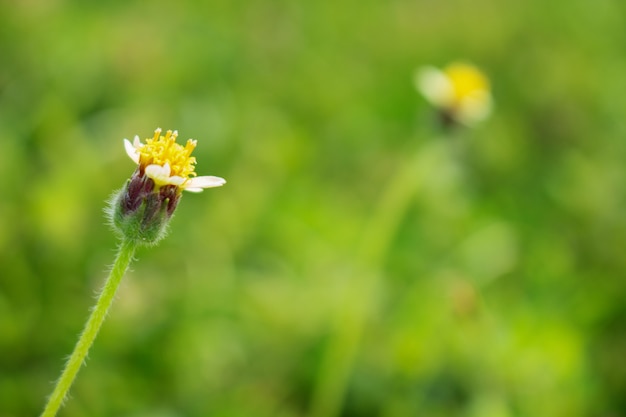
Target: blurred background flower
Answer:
pixel 502 293
pixel 461 92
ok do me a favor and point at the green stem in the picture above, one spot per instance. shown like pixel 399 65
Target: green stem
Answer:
pixel 351 321
pixel 98 314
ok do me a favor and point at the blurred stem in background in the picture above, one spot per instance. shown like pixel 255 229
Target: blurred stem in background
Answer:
pixel 351 317
pixel 461 93
pixel 98 314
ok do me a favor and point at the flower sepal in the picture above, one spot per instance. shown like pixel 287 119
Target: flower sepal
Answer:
pixel 141 213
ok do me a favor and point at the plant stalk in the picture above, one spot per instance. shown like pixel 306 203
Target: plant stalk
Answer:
pixel 98 314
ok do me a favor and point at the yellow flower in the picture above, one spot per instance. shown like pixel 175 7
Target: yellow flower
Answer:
pixel 461 91
pixel 168 163
pixel 142 209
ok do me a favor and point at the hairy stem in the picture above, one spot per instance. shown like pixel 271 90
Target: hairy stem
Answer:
pixel 98 314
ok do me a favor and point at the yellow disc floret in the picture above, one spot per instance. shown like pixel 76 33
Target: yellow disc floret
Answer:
pixel 163 149
pixel 466 80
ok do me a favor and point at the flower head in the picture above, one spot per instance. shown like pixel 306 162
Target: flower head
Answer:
pixel 143 208
pixel 169 163
pixel 460 91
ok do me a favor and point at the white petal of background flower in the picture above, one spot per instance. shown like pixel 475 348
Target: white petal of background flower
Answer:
pixel 434 85
pixel 475 108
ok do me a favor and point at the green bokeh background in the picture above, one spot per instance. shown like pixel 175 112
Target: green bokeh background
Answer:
pixel 500 291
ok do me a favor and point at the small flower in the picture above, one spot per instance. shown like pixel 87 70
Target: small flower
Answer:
pixel 169 163
pixel 143 208
pixel 461 92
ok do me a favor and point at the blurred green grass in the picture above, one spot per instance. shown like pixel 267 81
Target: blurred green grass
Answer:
pixel 502 290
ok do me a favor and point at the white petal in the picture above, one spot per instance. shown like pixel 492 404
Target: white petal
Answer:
pixel 198 183
pixel 137 142
pixel 435 86
pixel 194 190
pixel 160 174
pixel 475 108
pixel 131 151
pixel 176 180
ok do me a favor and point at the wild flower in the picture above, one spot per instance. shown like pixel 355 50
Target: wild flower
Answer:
pixel 144 206
pixel 140 213
pixel 461 92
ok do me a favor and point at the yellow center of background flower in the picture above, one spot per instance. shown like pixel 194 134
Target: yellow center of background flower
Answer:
pixel 163 149
pixel 466 80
